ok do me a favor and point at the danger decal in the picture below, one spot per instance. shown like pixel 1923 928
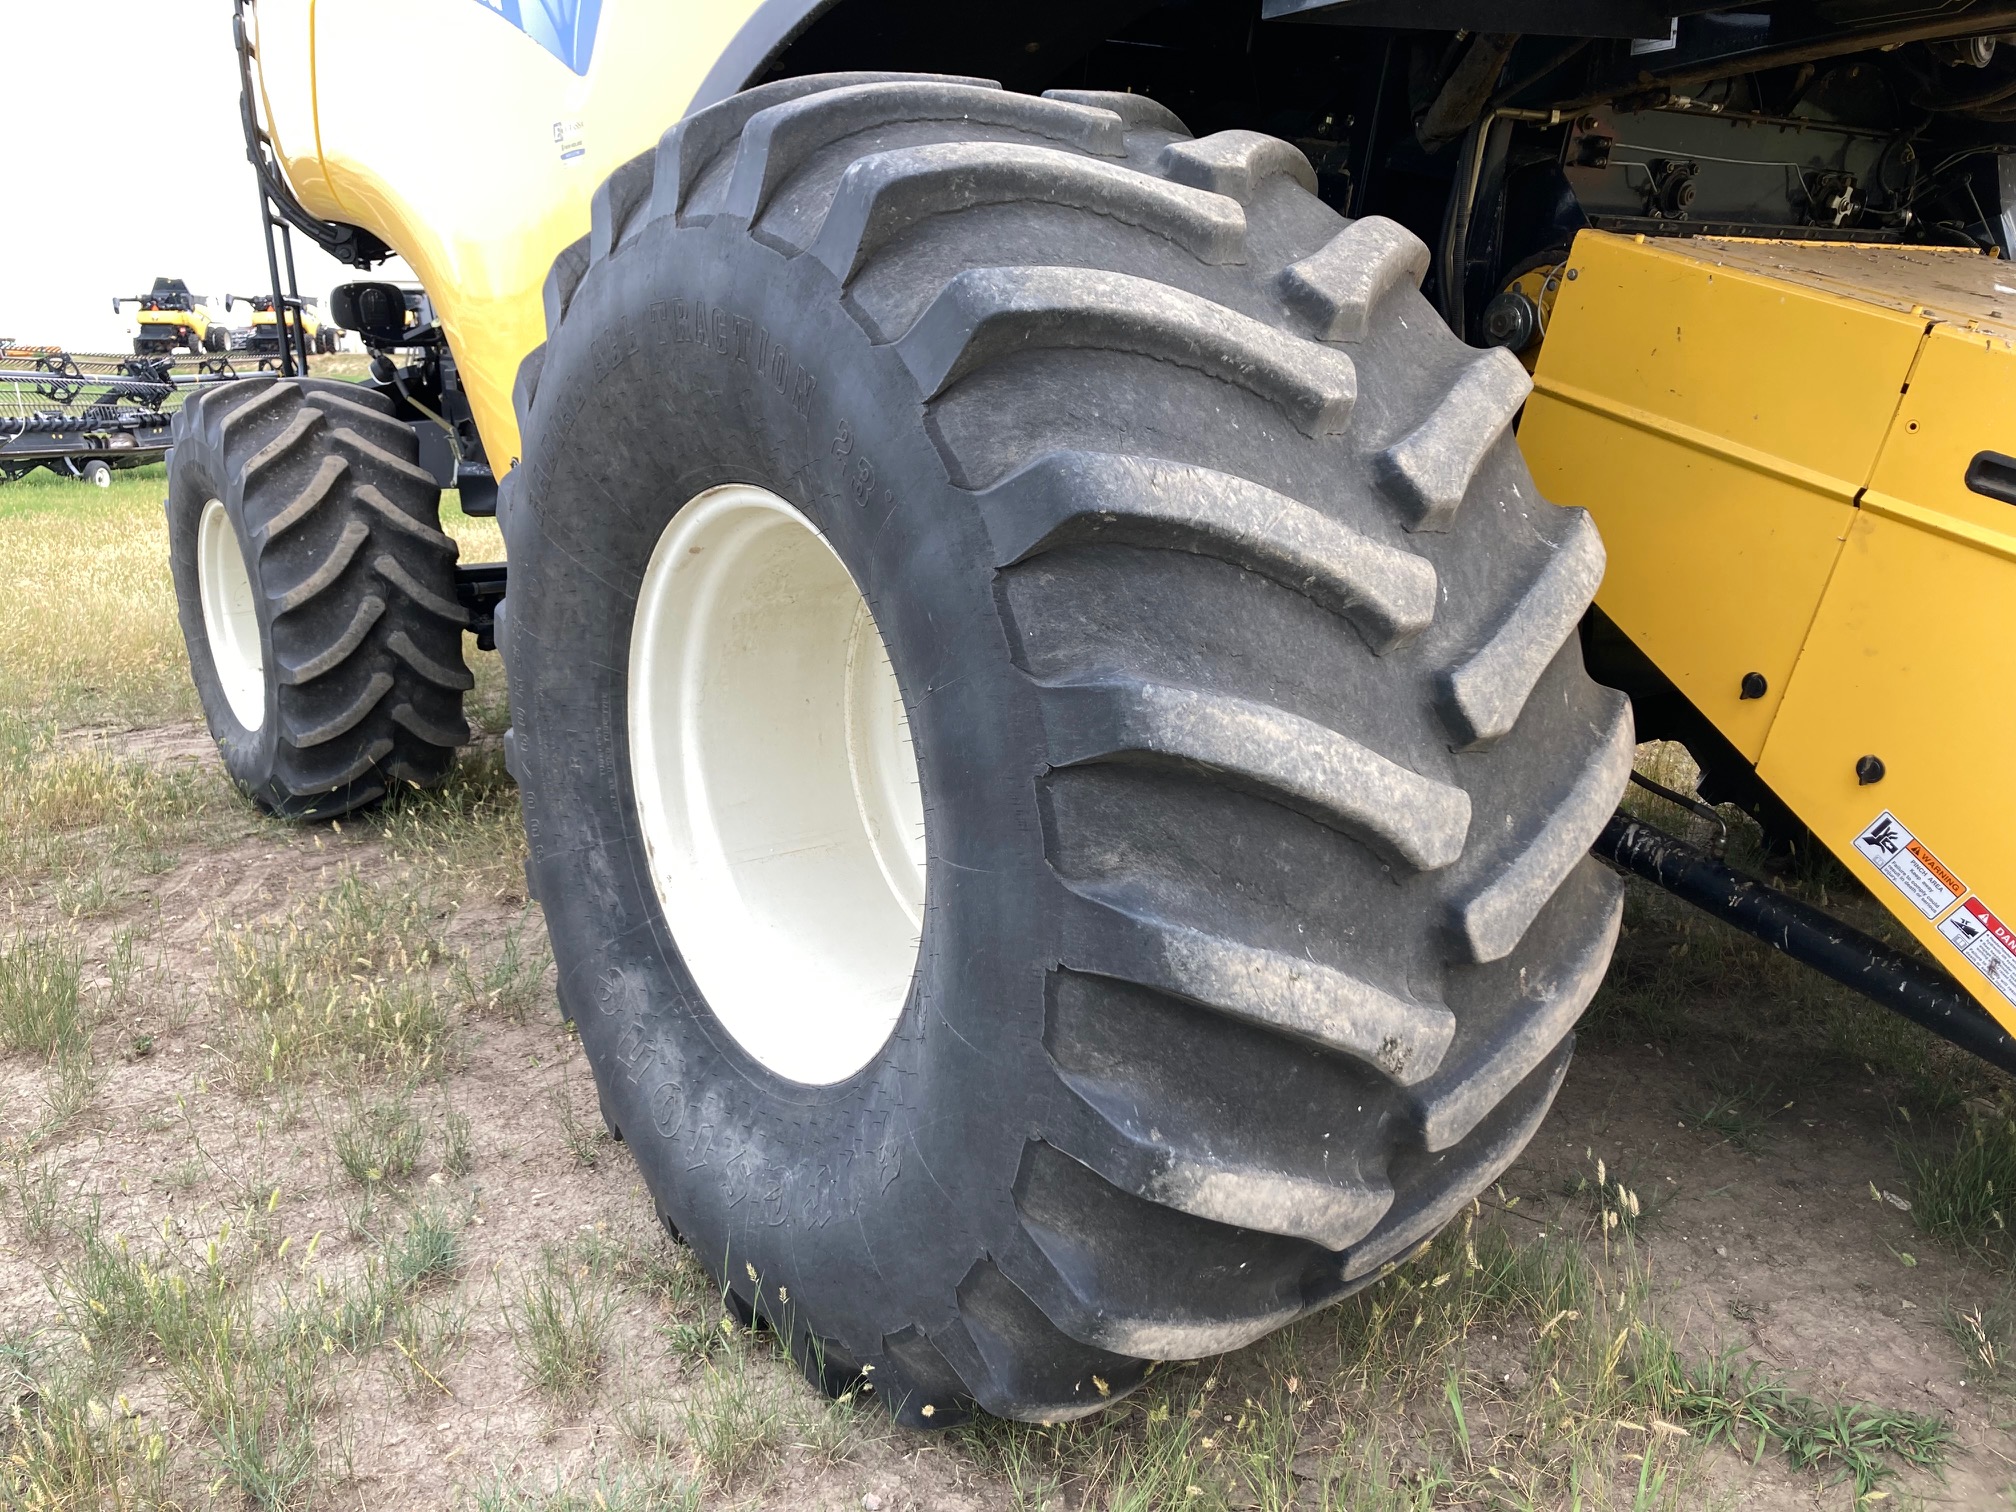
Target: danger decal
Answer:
pixel 1987 943
pixel 1909 866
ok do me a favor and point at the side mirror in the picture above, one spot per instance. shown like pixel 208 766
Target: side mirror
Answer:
pixel 228 298
pixel 375 311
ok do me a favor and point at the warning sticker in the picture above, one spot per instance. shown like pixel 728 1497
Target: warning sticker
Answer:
pixel 1911 867
pixel 1987 943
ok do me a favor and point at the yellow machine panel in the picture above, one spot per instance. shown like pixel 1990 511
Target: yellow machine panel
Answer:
pixel 507 172
pixel 1802 512
pixel 1741 479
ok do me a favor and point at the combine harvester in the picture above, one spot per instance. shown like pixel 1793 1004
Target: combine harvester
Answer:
pixel 170 317
pixel 1061 739
pixel 265 338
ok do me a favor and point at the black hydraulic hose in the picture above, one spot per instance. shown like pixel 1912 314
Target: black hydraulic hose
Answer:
pixel 1921 992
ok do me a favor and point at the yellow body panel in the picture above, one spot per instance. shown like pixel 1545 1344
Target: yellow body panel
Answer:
pixel 1657 372
pixel 198 320
pixel 1773 440
pixel 478 188
pixel 309 323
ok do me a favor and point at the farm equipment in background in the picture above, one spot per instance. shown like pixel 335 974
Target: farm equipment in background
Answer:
pixel 266 339
pixel 87 416
pixel 170 317
pixel 1054 719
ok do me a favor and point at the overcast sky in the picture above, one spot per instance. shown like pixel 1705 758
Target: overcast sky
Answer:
pixel 126 160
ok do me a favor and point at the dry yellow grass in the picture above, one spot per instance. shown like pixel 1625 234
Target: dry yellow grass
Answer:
pixel 88 632
pixel 87 609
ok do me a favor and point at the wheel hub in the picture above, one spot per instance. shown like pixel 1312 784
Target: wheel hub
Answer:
pixel 230 619
pixel 775 783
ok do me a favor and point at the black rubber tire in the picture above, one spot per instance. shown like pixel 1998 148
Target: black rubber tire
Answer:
pixel 1259 907
pixel 354 582
pixel 96 472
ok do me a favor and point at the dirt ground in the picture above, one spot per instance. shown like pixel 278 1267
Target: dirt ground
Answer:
pixel 1775 1239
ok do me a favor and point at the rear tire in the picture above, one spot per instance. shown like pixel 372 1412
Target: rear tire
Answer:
pixel 1259 767
pixel 331 670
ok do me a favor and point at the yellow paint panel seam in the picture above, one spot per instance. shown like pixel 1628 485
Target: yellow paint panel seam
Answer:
pixel 1964 532
pixel 1697 439
pixel 1861 501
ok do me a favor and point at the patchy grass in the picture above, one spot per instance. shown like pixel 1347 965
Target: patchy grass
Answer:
pixel 466 833
pixel 90 820
pixel 44 1012
pixel 654 1487
pixel 1483 1372
pixel 582 1136
pixel 1985 1336
pixel 379 1140
pixel 37 1189
pixel 42 1008
pixel 1736 1112
pixel 251 1383
pixel 1752 1409
pixel 248 1347
pixel 1618 1206
pixel 510 984
pixel 64 1443
pixel 1961 1186
pixel 734 1417
pixel 559 1321
pixel 458 1149
pixel 343 981
pixel 428 1251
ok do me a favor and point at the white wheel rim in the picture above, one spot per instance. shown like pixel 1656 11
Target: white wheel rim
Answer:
pixel 98 477
pixel 776 786
pixel 230 620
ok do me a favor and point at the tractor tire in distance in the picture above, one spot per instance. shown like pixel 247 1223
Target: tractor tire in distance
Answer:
pixel 97 473
pixel 316 592
pixel 216 340
pixel 1052 739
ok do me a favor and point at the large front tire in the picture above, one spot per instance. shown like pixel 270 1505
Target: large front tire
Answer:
pixel 316 592
pixel 1256 756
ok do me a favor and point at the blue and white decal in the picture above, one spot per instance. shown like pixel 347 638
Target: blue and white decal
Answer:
pixel 565 28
